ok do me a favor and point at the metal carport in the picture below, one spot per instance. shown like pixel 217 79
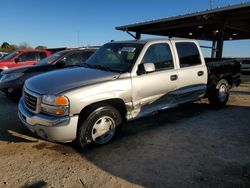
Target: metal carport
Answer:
pixel 216 25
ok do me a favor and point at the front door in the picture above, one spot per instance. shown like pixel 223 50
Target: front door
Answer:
pixel 151 90
pixel 27 58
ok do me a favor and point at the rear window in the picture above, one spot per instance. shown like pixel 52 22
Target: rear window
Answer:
pixel 188 54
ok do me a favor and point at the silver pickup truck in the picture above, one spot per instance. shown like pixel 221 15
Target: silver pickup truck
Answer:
pixel 122 81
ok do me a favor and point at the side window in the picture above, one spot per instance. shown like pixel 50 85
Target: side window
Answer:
pixel 29 56
pixel 160 55
pixel 72 59
pixel 41 55
pixel 188 54
pixel 86 55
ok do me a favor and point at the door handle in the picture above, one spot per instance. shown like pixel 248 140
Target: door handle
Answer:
pixel 173 77
pixel 200 73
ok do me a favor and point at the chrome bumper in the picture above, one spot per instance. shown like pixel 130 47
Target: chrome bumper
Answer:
pixel 58 129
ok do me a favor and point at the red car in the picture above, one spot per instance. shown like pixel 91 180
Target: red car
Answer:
pixel 22 58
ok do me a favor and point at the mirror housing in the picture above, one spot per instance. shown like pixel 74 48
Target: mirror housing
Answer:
pixel 145 68
pixel 17 60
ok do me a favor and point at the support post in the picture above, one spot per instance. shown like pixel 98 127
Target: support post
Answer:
pixel 213 52
pixel 138 36
pixel 220 40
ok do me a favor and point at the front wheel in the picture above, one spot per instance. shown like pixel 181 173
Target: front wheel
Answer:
pixel 98 127
pixel 220 95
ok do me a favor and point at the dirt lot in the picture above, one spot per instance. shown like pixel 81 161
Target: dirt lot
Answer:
pixel 195 145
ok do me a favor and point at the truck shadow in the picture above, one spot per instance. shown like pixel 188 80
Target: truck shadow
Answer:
pixel 194 142
pixel 11 129
pixel 194 145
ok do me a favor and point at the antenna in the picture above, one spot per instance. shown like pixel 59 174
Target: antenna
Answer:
pixel 211 4
pixel 78 39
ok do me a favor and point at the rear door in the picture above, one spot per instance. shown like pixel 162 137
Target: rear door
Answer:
pixel 192 72
pixel 151 91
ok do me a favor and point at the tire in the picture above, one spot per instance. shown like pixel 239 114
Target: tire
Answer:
pixel 220 94
pixel 99 127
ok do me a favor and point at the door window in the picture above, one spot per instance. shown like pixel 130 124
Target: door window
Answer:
pixel 188 54
pixel 30 56
pixel 72 59
pixel 160 55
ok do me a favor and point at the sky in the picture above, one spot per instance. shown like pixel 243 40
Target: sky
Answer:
pixel 72 23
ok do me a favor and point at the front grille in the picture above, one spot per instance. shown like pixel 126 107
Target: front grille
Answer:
pixel 30 101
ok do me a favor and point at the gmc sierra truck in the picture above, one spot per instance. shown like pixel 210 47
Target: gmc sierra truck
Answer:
pixel 122 81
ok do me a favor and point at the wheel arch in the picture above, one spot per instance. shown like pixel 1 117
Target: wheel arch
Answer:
pixel 117 103
pixel 228 78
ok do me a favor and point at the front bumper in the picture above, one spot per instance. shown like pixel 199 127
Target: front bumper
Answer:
pixel 57 129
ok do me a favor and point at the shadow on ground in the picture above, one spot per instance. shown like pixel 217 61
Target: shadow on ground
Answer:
pixel 11 129
pixel 191 146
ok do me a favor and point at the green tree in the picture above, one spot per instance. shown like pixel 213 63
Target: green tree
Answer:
pixel 40 47
pixel 24 46
pixel 6 47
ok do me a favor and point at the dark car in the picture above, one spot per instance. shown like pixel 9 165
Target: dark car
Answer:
pixel 12 80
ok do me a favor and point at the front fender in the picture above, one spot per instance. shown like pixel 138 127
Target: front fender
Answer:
pixel 82 97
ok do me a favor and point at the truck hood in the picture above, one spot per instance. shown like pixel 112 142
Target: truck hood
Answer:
pixel 56 82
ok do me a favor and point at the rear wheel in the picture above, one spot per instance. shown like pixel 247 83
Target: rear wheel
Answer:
pixel 220 95
pixel 99 127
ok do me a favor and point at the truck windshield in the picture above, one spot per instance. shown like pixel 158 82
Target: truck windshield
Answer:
pixel 115 57
pixel 51 59
pixel 9 56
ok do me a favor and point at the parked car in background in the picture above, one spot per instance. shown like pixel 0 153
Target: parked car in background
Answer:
pixel 22 58
pixel 245 65
pixel 122 81
pixel 12 80
pixel 2 54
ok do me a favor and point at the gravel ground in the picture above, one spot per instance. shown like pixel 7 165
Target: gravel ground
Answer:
pixel 194 145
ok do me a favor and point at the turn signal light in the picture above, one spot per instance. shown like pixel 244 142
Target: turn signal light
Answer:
pixel 61 101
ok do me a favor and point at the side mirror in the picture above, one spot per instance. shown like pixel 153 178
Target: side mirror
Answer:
pixel 17 60
pixel 145 68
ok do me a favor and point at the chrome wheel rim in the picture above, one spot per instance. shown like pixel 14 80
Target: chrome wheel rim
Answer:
pixel 103 130
pixel 223 92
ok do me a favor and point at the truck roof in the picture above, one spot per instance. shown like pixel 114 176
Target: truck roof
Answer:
pixel 32 50
pixel 144 41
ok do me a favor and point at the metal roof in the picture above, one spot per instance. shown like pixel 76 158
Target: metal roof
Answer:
pixel 144 41
pixel 204 25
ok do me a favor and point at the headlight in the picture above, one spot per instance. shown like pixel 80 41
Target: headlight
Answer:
pixel 55 105
pixel 9 77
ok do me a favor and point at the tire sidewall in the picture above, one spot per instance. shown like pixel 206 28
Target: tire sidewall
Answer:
pixel 84 135
pixel 214 96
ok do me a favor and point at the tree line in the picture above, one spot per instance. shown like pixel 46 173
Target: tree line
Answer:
pixel 6 47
